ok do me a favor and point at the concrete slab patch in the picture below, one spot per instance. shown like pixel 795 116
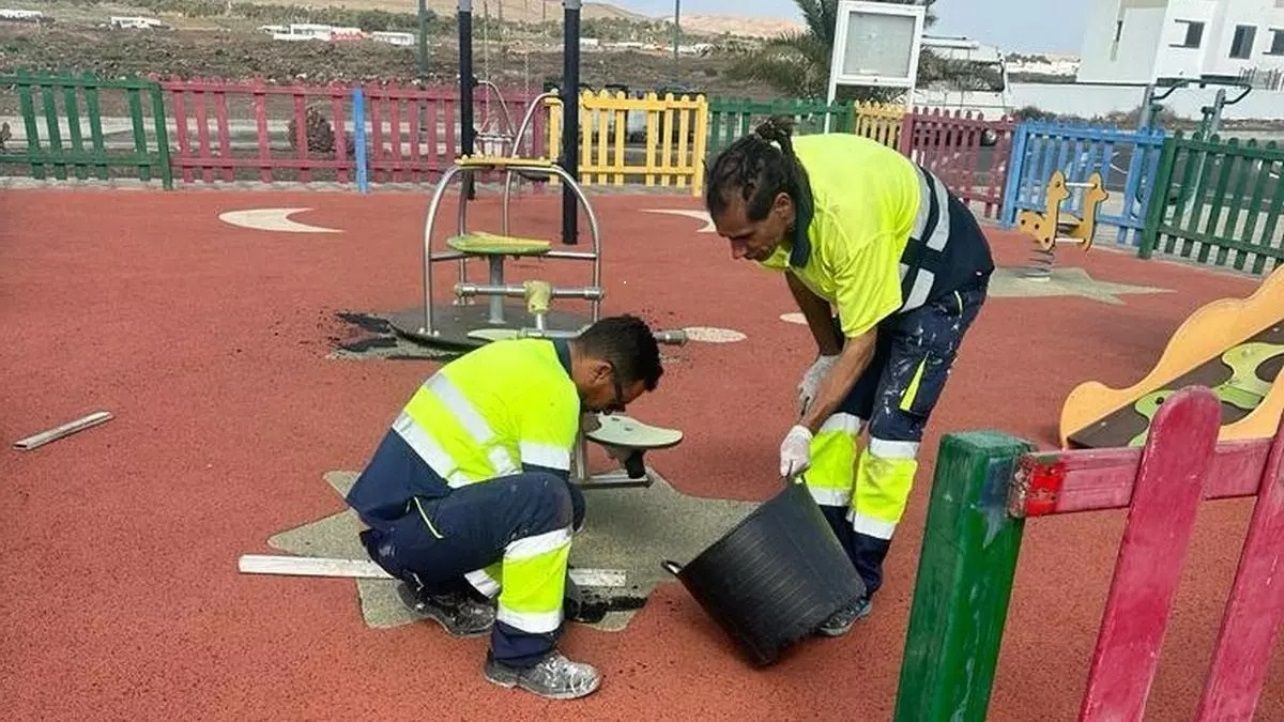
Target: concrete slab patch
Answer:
pixel 629 529
pixel 1070 281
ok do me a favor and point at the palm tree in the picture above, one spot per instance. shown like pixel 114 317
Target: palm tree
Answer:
pixel 797 64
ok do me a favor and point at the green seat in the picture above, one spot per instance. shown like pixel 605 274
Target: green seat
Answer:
pixel 488 244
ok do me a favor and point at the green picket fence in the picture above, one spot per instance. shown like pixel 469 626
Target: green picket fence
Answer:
pixel 65 134
pixel 1218 202
pixel 730 118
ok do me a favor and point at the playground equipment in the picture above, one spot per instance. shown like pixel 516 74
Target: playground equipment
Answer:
pixel 1055 226
pixel 1234 346
pixel 987 485
pixel 455 325
pixel 1211 114
pixel 569 160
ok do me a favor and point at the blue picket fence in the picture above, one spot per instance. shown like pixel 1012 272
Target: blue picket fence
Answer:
pixel 1128 161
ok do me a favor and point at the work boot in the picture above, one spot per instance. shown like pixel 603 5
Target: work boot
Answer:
pixel 458 613
pixel 841 621
pixel 553 677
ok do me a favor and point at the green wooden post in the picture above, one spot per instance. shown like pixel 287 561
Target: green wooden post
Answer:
pixel 95 124
pixel 28 107
pixel 1272 217
pixel 965 571
pixel 162 135
pixel 73 128
pixel 54 139
pixel 1159 195
pixel 1259 185
pixel 140 133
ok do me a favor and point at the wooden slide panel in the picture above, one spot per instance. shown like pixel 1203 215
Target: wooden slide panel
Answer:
pixel 1201 338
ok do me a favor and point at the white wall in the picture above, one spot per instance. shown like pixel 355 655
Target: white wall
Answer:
pixel 1180 62
pixel 1265 16
pixel 1133 60
pixel 1098 100
pixel 1098 36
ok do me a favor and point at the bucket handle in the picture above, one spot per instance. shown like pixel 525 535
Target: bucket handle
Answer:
pixel 673 568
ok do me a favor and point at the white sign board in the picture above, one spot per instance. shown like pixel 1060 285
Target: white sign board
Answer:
pixel 876 44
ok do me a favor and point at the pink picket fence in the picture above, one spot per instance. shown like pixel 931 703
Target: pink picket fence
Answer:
pixel 1182 465
pixel 238 131
pixel 969 154
pixel 987 489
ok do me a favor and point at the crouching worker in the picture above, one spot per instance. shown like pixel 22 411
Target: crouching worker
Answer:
pixel 468 501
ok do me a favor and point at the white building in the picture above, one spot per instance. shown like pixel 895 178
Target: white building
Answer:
pixel 1140 41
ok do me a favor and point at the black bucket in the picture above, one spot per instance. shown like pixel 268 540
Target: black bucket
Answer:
pixel 773 578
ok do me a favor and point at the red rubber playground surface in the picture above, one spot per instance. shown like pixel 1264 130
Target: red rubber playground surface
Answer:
pixel 121 596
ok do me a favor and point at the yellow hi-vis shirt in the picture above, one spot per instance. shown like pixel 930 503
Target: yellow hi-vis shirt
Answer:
pixel 864 202
pixel 492 410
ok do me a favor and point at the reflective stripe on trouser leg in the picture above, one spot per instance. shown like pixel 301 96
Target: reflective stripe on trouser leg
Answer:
pixel 529 616
pixel 884 477
pixel 488 581
pixel 833 460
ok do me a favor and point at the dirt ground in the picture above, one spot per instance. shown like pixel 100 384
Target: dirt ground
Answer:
pixel 246 55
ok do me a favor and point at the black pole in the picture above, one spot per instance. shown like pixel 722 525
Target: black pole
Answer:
pixel 570 117
pixel 423 42
pixel 466 129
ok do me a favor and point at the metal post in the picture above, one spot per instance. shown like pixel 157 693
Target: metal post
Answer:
pixel 570 116
pixel 423 41
pixel 1147 107
pixel 466 91
pixel 677 37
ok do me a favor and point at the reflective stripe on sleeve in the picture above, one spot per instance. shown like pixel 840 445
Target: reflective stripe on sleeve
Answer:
pixel 546 455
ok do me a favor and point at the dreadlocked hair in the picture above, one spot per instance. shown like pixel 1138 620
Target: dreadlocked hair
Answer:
pixel 756 169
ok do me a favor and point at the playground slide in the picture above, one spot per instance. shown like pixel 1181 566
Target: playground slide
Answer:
pixel 1233 346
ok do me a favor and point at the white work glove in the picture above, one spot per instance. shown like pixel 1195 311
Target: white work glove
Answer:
pixel 811 380
pixel 795 452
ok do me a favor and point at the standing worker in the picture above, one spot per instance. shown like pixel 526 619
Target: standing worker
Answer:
pixel 467 498
pixel 859 227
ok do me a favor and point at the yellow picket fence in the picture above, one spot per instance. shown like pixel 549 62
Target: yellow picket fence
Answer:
pixel 880 122
pixel 672 133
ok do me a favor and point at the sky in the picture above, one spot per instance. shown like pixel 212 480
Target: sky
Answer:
pixel 1050 26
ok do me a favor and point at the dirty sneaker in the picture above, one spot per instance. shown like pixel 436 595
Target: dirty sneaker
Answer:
pixel 457 613
pixel 841 621
pixel 553 677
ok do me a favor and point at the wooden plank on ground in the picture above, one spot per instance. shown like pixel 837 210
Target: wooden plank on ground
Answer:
pixel 366 569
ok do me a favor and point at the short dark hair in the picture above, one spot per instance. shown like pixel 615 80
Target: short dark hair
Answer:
pixel 627 342
pixel 756 169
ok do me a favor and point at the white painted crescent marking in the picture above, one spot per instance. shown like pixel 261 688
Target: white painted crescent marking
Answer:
pixel 698 215
pixel 272 219
pixel 797 318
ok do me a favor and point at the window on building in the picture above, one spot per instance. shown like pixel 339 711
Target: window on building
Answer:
pixel 1242 44
pixel 1277 41
pixel 1194 34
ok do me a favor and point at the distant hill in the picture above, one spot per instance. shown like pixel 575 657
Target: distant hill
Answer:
pixel 759 27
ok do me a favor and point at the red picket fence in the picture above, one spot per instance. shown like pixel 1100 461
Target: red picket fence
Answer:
pixel 972 542
pixel 231 131
pixel 1182 465
pixel 969 154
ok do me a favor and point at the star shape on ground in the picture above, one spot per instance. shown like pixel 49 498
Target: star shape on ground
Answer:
pixel 1070 281
pixel 630 529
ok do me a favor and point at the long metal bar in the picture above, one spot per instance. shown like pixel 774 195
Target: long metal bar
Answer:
pixel 433 207
pixel 500 290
